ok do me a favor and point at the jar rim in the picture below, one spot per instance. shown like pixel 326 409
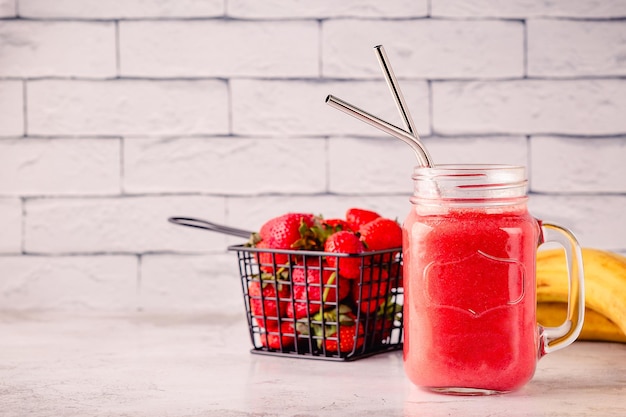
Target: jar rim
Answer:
pixel 441 168
pixel 469 182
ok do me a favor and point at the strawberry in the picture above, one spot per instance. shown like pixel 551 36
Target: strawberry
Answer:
pixel 350 337
pixel 266 260
pixel 356 217
pixel 381 325
pixel 286 231
pixel 372 291
pixel 380 234
pixel 337 225
pixel 345 242
pixel 283 339
pixel 268 300
pixel 343 333
pixel 308 289
pixel 396 273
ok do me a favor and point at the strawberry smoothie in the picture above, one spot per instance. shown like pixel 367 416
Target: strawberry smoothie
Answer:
pixel 469 314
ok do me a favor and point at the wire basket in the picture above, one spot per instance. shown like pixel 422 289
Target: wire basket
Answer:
pixel 299 306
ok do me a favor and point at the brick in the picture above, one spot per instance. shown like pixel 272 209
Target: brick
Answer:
pixel 127 107
pixel 424 48
pixel 295 107
pixel 59 166
pixel 11 225
pixel 120 225
pixel 251 212
pixel 578 107
pixel 208 283
pixel 326 9
pixel 576 48
pixel 219 48
pixel 8 8
pixel 231 165
pixel 578 165
pixel 120 9
pixel 528 8
pixel 11 108
pixel 596 222
pixel 32 49
pixel 510 150
pixel 370 165
pixel 74 283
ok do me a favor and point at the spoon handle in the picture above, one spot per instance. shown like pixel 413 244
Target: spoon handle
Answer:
pixel 203 224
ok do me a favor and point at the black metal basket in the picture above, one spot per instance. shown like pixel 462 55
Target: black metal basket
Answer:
pixel 297 305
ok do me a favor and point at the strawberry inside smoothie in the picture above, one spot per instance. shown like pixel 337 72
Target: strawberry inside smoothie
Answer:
pixel 469 312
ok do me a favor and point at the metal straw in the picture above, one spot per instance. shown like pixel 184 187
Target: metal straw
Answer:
pixel 422 154
pixel 394 87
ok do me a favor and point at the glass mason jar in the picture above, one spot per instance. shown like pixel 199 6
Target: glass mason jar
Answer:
pixel 469 274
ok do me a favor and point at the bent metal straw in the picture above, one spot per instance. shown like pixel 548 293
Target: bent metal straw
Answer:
pixel 421 153
pixel 394 87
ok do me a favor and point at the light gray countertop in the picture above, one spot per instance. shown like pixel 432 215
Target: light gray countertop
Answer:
pixel 174 365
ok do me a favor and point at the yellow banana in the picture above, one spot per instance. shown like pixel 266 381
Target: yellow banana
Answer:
pixel 605 282
pixel 595 327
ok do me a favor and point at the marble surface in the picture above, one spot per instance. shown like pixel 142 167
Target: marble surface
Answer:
pixel 175 365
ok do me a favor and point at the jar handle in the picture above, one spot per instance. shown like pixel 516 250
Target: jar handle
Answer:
pixel 555 338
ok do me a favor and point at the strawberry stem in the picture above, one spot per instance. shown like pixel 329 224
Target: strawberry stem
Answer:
pixel 327 288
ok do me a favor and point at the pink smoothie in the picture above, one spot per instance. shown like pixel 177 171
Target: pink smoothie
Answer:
pixel 469 312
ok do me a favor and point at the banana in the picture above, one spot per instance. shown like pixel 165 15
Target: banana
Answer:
pixel 595 327
pixel 605 282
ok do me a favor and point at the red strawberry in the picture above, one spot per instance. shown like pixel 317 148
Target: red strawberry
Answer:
pixel 372 291
pixel 349 337
pixel 379 330
pixel 345 242
pixel 381 234
pixel 289 231
pixel 284 232
pixel 337 225
pixel 264 306
pixel 381 325
pixel 307 287
pixel 266 259
pixel 396 275
pixel 356 217
pixel 285 339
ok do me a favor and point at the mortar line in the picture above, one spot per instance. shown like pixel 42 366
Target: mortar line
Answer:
pixel 24 108
pixel 117 49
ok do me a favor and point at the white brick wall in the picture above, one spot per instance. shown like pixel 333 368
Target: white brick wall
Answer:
pixel 524 9
pixel 295 107
pixel 115 115
pixel 40 166
pixel 571 107
pixel 559 48
pixel 11 108
pixel 11 226
pixel 205 48
pixel 321 9
pixel 214 165
pixel 120 9
pixel 126 107
pixel 64 49
pixel 7 8
pixel 426 48
pixel 69 282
